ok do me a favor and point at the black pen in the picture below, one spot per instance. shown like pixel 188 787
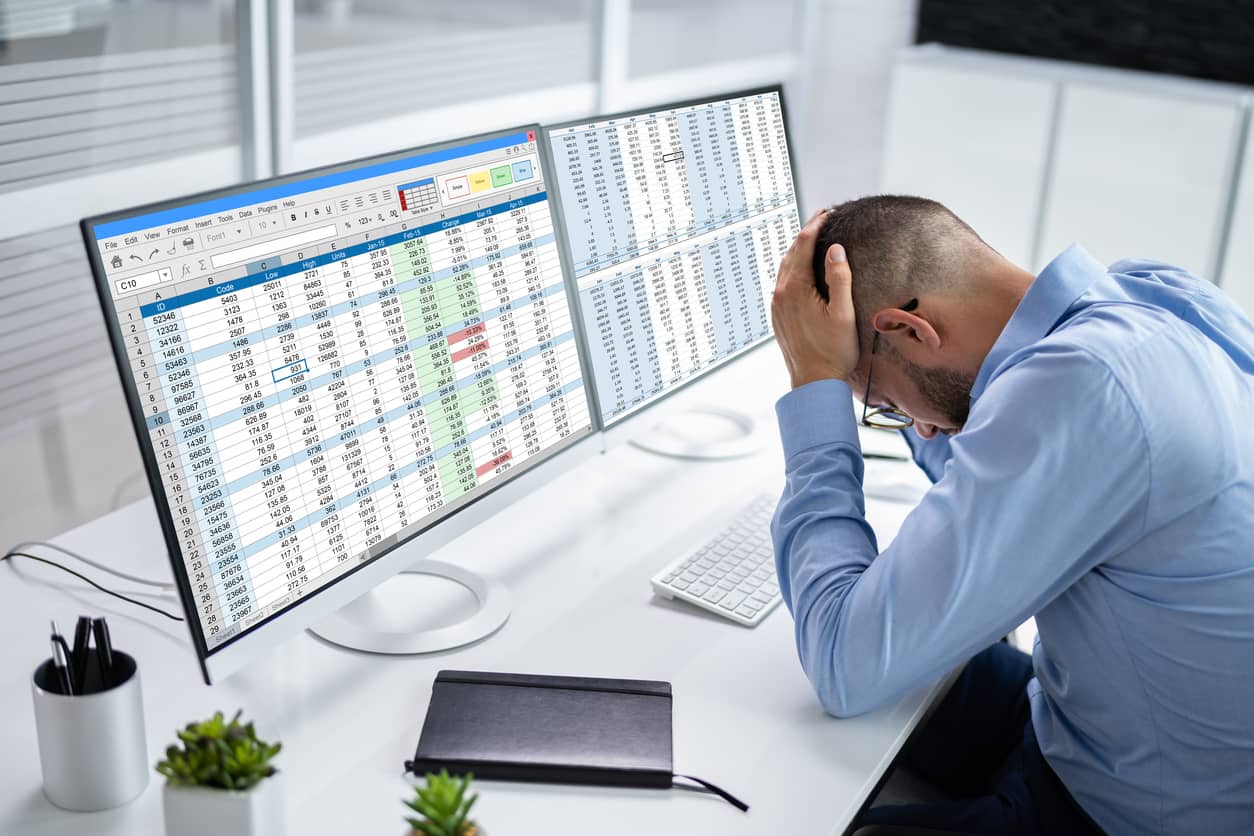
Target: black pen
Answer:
pixel 104 650
pixel 892 457
pixel 78 654
pixel 60 663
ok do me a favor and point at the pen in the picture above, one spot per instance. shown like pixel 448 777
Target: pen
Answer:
pixel 892 457
pixel 104 650
pixel 60 662
pixel 78 655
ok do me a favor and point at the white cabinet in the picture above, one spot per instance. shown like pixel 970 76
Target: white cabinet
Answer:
pixel 1140 173
pixel 1237 278
pixel 975 140
pixel 1037 154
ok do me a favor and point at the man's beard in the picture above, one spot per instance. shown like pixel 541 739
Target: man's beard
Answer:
pixel 948 391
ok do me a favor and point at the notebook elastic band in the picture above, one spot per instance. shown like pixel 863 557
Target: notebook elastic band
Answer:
pixel 722 793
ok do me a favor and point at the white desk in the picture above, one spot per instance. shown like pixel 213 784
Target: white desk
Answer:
pixel 577 556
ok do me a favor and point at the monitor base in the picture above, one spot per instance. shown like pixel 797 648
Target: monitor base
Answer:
pixel 359 626
pixel 686 435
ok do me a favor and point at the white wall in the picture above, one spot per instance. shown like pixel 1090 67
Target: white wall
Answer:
pixel 977 141
pixel 840 100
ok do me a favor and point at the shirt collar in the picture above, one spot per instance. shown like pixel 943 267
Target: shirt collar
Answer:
pixel 1056 287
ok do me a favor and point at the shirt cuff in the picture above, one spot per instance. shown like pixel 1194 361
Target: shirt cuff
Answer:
pixel 816 414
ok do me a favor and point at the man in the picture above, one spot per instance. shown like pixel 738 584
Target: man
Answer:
pixel 1090 436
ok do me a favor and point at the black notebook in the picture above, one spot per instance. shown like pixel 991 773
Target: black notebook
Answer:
pixel 558 729
pixel 566 729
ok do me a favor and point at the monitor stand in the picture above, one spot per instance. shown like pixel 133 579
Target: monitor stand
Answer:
pixel 704 432
pixel 387 619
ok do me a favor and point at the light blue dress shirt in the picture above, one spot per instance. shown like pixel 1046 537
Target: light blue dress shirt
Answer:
pixel 1104 483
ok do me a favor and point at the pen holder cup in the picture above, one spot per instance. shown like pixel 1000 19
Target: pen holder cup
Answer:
pixel 92 747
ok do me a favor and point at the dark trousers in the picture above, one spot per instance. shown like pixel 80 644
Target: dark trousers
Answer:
pixel 980 749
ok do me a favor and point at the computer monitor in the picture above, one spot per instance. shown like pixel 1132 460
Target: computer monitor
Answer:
pixel 675 219
pixel 333 372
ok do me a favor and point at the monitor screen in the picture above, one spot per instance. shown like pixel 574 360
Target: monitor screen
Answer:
pixel 323 365
pixel 676 220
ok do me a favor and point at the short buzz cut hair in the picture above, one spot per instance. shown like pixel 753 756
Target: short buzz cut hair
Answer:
pixel 898 248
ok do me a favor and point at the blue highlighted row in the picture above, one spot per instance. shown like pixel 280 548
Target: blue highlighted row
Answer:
pixel 191 298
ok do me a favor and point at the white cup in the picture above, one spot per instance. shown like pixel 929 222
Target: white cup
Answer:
pixel 92 747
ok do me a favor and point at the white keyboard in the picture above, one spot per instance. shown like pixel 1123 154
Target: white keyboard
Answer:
pixel 734 573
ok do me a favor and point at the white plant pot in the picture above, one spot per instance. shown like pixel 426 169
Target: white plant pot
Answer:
pixel 205 811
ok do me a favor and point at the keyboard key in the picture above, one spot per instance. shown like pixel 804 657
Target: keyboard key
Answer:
pixel 726 584
pixel 679 583
pixel 688 576
pixel 745 611
pixel 714 595
pixel 698 589
pixel 761 596
pixel 732 600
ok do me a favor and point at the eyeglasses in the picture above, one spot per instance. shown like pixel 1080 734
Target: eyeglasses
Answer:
pixel 883 417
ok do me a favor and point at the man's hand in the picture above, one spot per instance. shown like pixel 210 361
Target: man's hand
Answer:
pixel 819 339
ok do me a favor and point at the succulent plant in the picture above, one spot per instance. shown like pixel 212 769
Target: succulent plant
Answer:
pixel 444 806
pixel 219 753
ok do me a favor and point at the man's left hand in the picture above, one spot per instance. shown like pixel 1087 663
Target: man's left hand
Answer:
pixel 819 339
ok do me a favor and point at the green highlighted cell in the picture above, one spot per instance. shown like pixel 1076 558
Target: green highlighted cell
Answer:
pixel 478 395
pixel 457 473
pixel 501 176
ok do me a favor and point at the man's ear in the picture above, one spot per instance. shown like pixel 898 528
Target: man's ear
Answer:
pixel 906 330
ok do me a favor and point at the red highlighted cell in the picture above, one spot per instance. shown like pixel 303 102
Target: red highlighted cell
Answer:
pixel 402 194
pixel 470 351
pixel 465 333
pixel 494 463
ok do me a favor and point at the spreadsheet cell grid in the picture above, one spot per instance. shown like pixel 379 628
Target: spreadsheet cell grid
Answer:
pixel 676 221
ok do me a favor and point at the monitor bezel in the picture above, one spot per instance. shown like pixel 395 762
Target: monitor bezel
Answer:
pixel 621 426
pixel 237 651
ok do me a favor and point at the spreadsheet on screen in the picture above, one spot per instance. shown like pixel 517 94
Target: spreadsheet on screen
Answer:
pixel 332 363
pixel 676 221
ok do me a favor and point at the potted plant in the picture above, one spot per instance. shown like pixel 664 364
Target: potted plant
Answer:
pixel 444 805
pixel 220 780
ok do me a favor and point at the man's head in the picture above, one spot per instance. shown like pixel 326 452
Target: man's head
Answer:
pixel 909 248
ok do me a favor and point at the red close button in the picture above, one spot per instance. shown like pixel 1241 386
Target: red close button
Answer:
pixel 531 136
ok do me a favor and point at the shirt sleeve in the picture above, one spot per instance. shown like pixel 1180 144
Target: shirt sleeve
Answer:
pixel 1049 477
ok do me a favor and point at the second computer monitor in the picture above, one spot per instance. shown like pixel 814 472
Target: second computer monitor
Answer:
pixel 676 219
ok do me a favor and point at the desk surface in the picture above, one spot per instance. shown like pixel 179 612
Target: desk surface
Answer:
pixel 577 556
